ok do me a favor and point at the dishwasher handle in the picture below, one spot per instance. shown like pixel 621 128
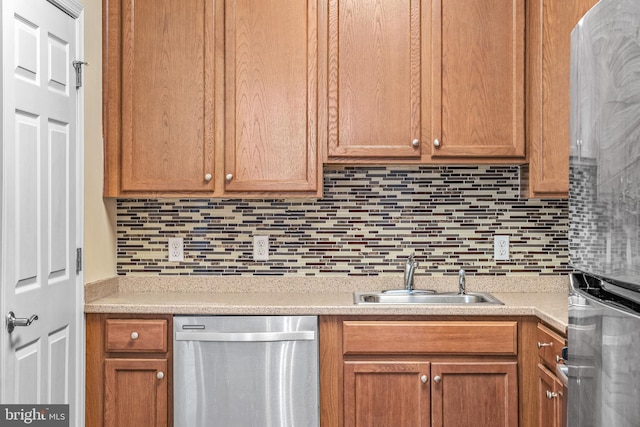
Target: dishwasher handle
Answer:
pixel 246 336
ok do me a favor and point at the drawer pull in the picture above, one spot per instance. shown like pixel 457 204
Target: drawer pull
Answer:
pixel 551 395
pixel 559 359
pixel 134 335
pixel 424 379
pixel 437 379
pixel 160 375
pixel 544 344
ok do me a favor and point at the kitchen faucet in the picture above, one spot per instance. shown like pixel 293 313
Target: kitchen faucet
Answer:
pixel 409 269
pixel 461 283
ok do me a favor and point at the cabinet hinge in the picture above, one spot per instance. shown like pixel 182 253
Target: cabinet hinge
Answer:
pixel 78 260
pixel 78 67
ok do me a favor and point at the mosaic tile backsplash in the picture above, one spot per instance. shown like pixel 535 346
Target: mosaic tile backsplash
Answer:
pixel 366 224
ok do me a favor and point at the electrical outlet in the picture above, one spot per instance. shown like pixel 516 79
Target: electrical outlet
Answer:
pixel 501 248
pixel 176 249
pixel 261 248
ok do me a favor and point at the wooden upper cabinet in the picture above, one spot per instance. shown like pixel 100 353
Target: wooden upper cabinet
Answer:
pixel 429 81
pixel 158 96
pixel 271 96
pixel 548 49
pixel 374 83
pixel 478 78
pixel 209 98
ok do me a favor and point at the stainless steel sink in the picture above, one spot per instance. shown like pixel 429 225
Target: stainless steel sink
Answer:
pixel 418 297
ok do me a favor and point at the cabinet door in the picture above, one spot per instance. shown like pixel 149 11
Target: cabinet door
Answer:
pixel 375 78
pixel 478 78
pixel 548 49
pixel 159 96
pixel 271 96
pixel 474 394
pixel 386 393
pixel 135 393
pixel 550 399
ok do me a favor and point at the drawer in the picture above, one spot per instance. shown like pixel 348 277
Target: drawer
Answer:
pixel 549 346
pixel 429 337
pixel 136 335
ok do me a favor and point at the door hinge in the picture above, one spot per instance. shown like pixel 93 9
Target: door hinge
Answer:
pixel 78 260
pixel 78 67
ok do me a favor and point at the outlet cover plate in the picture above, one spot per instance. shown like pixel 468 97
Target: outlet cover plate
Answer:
pixel 176 249
pixel 261 248
pixel 501 247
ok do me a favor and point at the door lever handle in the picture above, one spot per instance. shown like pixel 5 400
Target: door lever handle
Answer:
pixel 12 321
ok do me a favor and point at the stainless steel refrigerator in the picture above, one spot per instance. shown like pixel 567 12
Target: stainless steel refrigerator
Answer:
pixel 604 204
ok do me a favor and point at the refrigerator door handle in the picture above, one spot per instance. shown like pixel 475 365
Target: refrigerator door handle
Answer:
pixel 246 336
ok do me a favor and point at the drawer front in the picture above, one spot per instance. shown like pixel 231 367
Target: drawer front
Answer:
pixel 549 346
pixel 425 337
pixel 136 335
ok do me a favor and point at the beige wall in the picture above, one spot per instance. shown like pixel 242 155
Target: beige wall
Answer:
pixel 99 215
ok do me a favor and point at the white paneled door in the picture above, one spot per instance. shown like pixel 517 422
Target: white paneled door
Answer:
pixel 40 209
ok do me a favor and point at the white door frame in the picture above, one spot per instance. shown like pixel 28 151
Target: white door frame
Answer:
pixel 75 9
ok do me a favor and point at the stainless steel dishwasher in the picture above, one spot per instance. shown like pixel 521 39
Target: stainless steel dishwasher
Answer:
pixel 246 371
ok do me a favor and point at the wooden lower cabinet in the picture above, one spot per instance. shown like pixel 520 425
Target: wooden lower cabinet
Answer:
pixel 474 394
pixel 129 370
pixel 374 371
pixel 550 399
pixel 135 393
pixel 386 393
pixel 550 394
pixel 419 372
pixel 406 393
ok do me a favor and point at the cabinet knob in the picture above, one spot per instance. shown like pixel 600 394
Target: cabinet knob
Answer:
pixel 208 177
pixel 415 143
pixel 229 177
pixel 544 344
pixel 134 335
pixel 424 379
pixel 436 143
pixel 551 395
pixel 437 379
pixel 160 375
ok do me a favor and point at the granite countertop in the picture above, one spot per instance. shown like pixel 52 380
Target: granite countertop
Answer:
pixel 541 296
